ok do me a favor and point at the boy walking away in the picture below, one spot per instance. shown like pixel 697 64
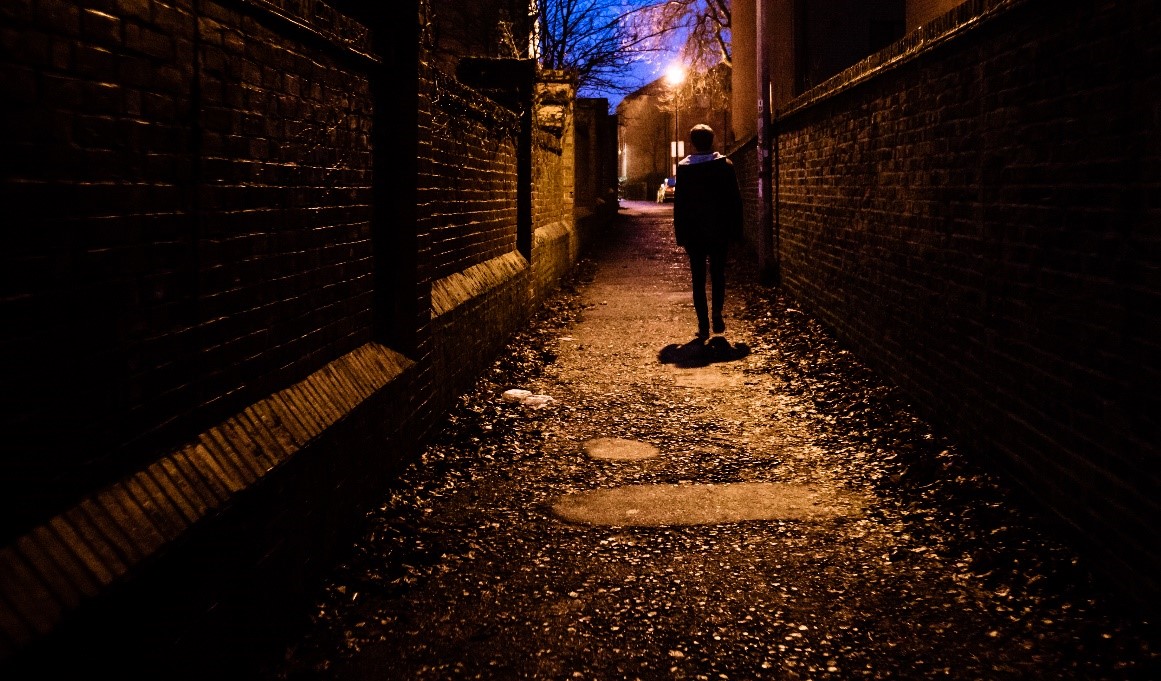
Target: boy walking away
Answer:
pixel 707 215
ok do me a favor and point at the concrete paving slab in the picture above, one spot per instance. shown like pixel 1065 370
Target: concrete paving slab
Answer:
pixel 619 449
pixel 665 505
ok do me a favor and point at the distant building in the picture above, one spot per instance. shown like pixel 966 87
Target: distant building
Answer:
pixel 647 129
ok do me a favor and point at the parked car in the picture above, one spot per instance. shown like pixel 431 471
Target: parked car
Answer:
pixel 665 191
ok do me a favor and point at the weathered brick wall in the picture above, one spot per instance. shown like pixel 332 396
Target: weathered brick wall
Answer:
pixel 480 286
pixel 472 186
pixel 552 151
pixel 224 212
pixel 595 139
pixel 974 210
pixel 190 213
pixel 551 194
pixel 284 235
pixel 91 324
pixel 746 165
pixel 488 303
pixel 187 303
pixel 595 201
pixel 555 242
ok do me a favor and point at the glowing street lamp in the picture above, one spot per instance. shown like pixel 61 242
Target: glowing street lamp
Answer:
pixel 674 77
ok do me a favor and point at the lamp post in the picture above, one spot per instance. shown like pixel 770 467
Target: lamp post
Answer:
pixel 675 76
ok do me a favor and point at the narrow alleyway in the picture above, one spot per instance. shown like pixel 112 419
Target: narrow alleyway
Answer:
pixel 760 507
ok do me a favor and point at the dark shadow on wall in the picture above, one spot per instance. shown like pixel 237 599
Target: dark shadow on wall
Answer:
pixel 698 353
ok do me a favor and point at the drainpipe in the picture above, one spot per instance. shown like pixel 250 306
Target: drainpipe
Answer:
pixel 775 274
pixel 766 246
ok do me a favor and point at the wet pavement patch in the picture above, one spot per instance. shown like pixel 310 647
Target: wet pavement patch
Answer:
pixel 667 505
pixel 618 449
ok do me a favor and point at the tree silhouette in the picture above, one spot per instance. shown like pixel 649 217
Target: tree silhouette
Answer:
pixel 702 30
pixel 702 27
pixel 599 41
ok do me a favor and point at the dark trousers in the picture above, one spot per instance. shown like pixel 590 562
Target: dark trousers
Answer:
pixel 717 269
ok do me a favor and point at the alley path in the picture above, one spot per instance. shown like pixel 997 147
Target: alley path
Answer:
pixel 847 539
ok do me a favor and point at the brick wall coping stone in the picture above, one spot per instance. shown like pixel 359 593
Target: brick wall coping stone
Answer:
pixel 460 287
pixel 551 232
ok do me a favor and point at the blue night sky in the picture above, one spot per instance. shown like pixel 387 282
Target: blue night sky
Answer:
pixel 643 72
pixel 640 75
pixel 647 68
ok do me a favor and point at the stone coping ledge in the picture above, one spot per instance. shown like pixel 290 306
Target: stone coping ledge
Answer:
pixel 551 232
pixel 458 288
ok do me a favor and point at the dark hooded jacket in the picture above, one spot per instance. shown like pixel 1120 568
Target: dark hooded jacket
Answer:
pixel 707 204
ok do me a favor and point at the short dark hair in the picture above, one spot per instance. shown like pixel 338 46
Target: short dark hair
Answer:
pixel 702 137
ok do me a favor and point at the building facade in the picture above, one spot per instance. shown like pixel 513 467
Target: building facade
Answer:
pixel 966 207
pixel 653 125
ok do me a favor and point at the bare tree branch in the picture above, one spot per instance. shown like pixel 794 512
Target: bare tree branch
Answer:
pixel 597 40
pixel 702 28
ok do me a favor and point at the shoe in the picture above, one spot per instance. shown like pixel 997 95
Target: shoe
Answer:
pixel 703 331
pixel 719 325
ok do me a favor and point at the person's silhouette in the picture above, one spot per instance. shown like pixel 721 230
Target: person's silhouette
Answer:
pixel 707 215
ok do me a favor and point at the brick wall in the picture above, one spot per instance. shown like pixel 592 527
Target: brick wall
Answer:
pixel 746 165
pixel 221 214
pixel 920 12
pixel 971 209
pixel 595 135
pixel 191 229
pixel 472 185
pixel 555 242
pixel 284 203
pixel 552 153
pixel 187 305
pixel 552 206
pixel 480 287
pixel 87 210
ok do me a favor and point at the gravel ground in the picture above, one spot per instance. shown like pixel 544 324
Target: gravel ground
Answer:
pixel 465 573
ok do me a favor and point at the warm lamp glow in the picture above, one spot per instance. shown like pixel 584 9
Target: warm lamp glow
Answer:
pixel 675 74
